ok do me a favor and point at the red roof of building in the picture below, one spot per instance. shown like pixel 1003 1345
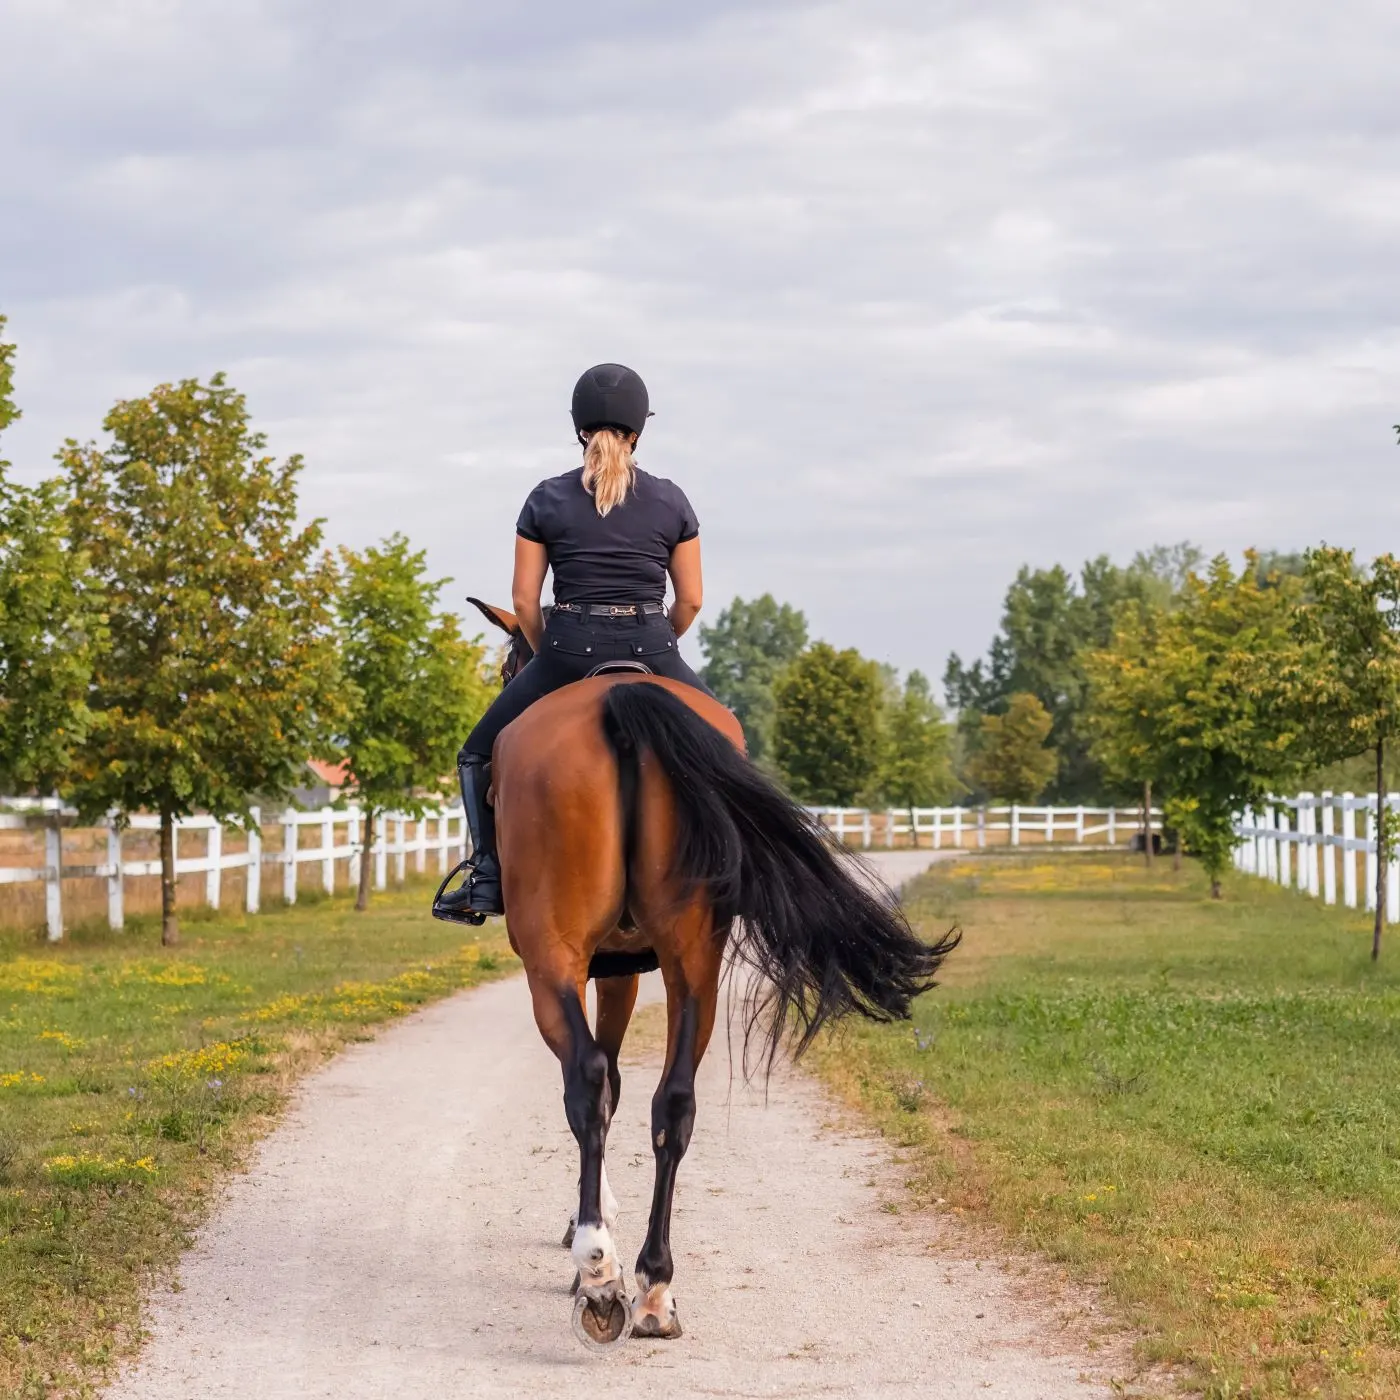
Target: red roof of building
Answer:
pixel 334 775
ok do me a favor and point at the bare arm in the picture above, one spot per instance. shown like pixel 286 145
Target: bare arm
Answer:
pixel 531 563
pixel 688 582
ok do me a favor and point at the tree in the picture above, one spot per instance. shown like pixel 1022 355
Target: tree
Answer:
pixel 1189 698
pixel 1050 623
pixel 413 683
pixel 1128 694
pixel 917 760
pixel 826 727
pixel 745 650
pixel 49 622
pixel 1011 760
pixel 1347 683
pixel 218 677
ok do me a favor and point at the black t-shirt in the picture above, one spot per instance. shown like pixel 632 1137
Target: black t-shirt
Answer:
pixel 619 557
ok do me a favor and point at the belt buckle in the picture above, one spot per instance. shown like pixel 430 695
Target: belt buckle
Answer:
pixel 629 611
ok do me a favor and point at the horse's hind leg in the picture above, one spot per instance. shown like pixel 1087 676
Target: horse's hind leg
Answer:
pixel 617 996
pixel 559 1012
pixel 692 974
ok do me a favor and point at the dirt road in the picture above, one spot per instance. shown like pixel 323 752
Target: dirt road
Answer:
pixel 399 1234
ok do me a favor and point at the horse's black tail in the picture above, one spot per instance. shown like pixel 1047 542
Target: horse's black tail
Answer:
pixel 809 921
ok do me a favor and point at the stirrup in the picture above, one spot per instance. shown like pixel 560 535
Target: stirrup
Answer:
pixel 447 912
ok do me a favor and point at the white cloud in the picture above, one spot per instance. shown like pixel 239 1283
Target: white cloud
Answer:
pixel 921 295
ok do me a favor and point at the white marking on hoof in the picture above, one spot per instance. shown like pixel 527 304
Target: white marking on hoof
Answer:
pixel 654 1313
pixel 594 1256
pixel 609 1203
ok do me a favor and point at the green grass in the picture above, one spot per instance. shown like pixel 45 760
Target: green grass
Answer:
pixel 1194 1103
pixel 132 1077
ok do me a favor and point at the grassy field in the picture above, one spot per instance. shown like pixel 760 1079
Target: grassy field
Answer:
pixel 132 1077
pixel 1196 1104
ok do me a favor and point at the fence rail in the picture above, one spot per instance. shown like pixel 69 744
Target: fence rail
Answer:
pixel 978 827
pixel 397 835
pixel 1296 842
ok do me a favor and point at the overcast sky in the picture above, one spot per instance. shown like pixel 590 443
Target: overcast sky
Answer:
pixel 922 291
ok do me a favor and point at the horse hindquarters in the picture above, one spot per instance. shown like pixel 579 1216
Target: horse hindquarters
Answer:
pixel 809 922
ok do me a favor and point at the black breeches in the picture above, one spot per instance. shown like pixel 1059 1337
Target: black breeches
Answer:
pixel 573 646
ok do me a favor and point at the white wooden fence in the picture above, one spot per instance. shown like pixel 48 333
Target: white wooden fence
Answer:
pixel 1300 841
pixel 978 827
pixel 443 832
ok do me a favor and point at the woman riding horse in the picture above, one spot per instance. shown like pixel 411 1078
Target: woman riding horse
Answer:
pixel 635 834
pixel 612 533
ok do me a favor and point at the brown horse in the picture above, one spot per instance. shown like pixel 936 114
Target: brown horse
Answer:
pixel 634 833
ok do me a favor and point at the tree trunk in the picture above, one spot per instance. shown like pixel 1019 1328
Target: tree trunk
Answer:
pixel 366 855
pixel 1147 822
pixel 1215 891
pixel 169 924
pixel 1382 850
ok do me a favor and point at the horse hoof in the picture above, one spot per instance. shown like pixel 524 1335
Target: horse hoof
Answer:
pixel 602 1322
pixel 569 1235
pixel 654 1314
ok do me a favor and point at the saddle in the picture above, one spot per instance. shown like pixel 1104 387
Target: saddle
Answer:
pixel 608 668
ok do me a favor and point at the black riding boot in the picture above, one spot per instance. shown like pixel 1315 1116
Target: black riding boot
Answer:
pixel 481 894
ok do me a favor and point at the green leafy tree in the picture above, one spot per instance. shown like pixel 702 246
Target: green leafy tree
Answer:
pixel 917 769
pixel 1012 761
pixel 1202 711
pixel 747 647
pixel 414 685
pixel 8 411
pixel 1128 694
pixel 826 729
pixel 49 622
pixel 1050 623
pixel 219 676
pixel 1346 686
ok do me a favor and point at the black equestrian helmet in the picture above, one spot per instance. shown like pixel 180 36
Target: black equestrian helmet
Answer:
pixel 610 396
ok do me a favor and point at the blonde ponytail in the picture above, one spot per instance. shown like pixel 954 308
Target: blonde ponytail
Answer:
pixel 608 468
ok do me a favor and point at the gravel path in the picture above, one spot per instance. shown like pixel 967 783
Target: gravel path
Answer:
pixel 398 1236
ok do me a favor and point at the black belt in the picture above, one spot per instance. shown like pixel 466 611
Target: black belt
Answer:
pixel 610 609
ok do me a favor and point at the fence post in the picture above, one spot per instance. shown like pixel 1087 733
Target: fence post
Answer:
pixel 1079 825
pixel 352 836
pixel 938 828
pixel 53 875
pixel 1392 874
pixel 957 827
pixel 252 888
pixel 1348 853
pixel 865 830
pixel 1371 852
pixel 289 856
pixel 1329 850
pixel 1285 850
pixel 1113 826
pixel 443 822
pixel 213 877
pixel 1308 850
pixel 116 912
pixel 327 847
pixel 381 856
pixel 1300 846
pixel 1015 825
pixel 420 860
pixel 399 851
pixel 981 827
